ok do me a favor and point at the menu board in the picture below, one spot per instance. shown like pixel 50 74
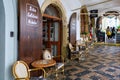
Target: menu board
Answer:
pixel 31 14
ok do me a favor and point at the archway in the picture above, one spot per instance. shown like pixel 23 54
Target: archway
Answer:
pixel 61 9
pixel 84 20
pixel 110 18
pixel 52 29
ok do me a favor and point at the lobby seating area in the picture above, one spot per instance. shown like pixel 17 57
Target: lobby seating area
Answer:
pixel 93 61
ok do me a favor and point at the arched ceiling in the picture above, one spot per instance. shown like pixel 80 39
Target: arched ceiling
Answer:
pixel 101 5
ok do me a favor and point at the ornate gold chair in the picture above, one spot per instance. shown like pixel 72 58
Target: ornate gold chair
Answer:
pixel 80 44
pixel 73 52
pixel 89 44
pixel 59 67
pixel 21 71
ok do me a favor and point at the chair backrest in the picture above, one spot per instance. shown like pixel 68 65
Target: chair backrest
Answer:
pixel 86 39
pixel 21 70
pixel 47 54
pixel 78 42
pixel 71 47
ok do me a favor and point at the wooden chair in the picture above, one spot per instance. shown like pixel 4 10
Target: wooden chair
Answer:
pixel 21 71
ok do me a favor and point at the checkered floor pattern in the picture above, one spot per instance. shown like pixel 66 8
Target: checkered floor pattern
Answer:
pixel 103 63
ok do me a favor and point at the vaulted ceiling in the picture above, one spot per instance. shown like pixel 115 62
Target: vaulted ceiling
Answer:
pixel 101 5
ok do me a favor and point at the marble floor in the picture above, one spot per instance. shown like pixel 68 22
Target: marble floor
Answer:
pixel 103 63
pixel 110 40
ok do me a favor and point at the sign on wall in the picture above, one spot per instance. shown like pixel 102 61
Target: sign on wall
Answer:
pixel 31 14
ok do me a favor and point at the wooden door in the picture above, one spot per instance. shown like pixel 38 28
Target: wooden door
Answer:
pixel 72 29
pixel 30 31
pixel 52 36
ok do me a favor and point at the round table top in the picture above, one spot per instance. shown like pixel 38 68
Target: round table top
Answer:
pixel 43 63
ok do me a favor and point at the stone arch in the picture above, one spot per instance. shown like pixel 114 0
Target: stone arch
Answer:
pixel 60 7
pixel 84 19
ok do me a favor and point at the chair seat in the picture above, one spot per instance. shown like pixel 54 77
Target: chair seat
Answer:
pixel 59 65
pixel 75 52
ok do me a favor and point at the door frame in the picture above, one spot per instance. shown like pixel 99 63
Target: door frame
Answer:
pixel 58 43
pixel 59 5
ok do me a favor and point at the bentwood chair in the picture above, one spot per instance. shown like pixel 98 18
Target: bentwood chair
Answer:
pixel 59 67
pixel 21 71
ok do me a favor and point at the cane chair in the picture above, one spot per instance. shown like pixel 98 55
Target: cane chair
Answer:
pixel 59 67
pixel 89 45
pixel 47 55
pixel 74 54
pixel 80 44
pixel 21 71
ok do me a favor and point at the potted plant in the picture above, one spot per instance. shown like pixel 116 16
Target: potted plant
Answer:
pixel 84 33
pixel 118 28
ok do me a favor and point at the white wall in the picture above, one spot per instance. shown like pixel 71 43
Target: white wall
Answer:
pixel 9 49
pixel 78 26
pixel 41 2
pixel 67 9
pixel 2 40
pixel 69 13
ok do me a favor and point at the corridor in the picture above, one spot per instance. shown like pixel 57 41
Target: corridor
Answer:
pixel 28 27
pixel 102 64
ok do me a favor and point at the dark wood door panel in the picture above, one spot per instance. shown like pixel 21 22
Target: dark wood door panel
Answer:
pixel 49 43
pixel 72 29
pixel 30 31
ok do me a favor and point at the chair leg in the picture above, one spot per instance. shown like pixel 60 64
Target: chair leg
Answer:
pixel 57 73
pixel 63 71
